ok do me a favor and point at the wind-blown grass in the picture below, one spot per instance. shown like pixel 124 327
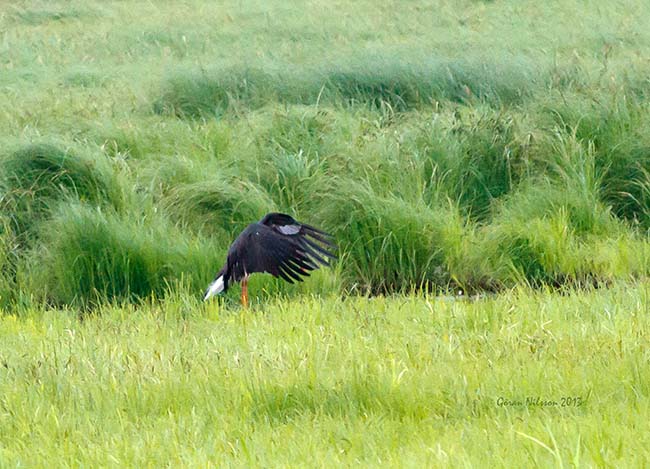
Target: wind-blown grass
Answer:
pixel 416 247
pixel 215 204
pixel 496 148
pixel 470 198
pixel 88 254
pixel 375 81
pixel 439 156
pixel 620 147
pixel 476 157
pixel 38 176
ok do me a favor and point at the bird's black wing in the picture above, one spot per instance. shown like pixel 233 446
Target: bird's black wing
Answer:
pixel 284 251
pixel 317 243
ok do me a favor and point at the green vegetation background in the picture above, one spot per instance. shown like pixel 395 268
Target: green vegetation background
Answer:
pixel 445 144
pixel 483 145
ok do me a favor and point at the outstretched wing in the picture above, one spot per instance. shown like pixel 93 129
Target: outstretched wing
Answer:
pixel 317 242
pixel 284 248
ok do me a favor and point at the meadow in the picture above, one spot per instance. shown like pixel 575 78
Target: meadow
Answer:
pixel 408 381
pixel 500 149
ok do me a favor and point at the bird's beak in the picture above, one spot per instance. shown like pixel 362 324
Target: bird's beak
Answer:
pixel 214 288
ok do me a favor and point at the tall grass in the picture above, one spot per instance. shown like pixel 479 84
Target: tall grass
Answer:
pixel 218 204
pixel 454 197
pixel 615 127
pixel 478 198
pixel 477 156
pixel 8 253
pixel 38 176
pixel 88 254
pixel 389 242
pixel 438 156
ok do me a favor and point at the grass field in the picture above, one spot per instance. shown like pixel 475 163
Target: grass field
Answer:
pixel 499 148
pixel 404 381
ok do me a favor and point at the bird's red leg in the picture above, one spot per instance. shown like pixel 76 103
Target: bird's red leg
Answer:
pixel 244 292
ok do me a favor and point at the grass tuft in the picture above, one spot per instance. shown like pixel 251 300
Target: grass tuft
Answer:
pixel 38 176
pixel 218 204
pixel 477 157
pixel 613 124
pixel 90 255
pixel 391 244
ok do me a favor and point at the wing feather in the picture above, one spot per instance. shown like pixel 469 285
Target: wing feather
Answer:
pixel 319 236
pixel 291 273
pixel 282 274
pixel 318 248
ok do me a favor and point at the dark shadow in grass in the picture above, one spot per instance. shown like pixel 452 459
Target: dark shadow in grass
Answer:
pixel 279 403
pixel 84 78
pixel 374 81
pixel 39 16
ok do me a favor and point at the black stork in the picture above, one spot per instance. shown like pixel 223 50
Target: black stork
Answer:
pixel 276 244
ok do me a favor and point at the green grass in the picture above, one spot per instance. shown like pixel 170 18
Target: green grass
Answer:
pixel 323 381
pixel 89 254
pixel 39 176
pixel 489 147
pixel 376 81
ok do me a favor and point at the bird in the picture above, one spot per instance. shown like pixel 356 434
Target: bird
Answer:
pixel 278 245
